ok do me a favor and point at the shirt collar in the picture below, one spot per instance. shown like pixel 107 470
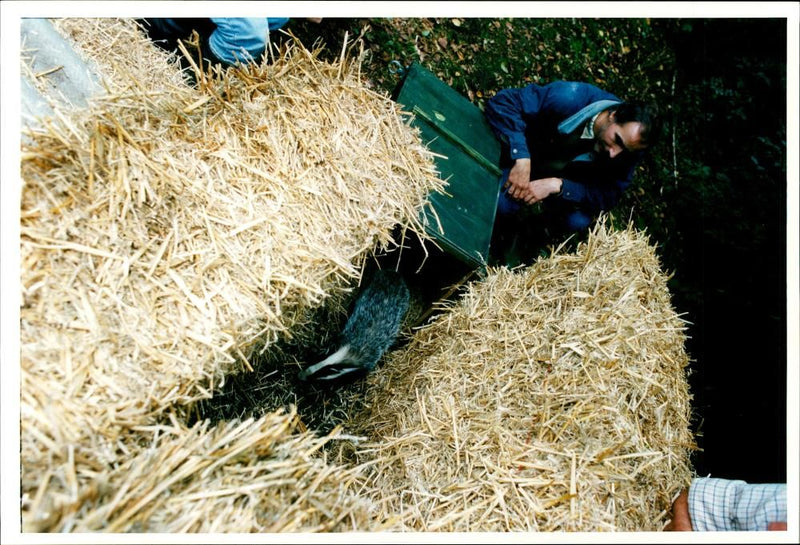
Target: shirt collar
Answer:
pixel 588 130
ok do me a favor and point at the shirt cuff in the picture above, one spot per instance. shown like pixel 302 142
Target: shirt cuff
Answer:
pixel 518 147
pixel 571 191
pixel 712 503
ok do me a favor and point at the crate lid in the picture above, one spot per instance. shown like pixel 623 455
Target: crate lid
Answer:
pixel 455 129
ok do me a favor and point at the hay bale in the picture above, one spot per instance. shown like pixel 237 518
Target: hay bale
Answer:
pixel 240 476
pixel 168 234
pixel 549 398
pixel 121 55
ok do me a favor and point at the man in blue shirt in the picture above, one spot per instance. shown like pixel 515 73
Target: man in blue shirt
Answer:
pixel 569 145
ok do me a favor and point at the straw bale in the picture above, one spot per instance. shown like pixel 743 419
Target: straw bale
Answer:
pixel 547 398
pixel 168 233
pixel 121 54
pixel 240 476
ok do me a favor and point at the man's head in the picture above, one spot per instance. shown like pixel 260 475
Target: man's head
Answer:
pixel 628 127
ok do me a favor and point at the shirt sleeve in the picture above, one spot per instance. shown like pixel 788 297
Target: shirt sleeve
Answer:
pixel 604 191
pixel 732 505
pixel 506 113
pixel 239 39
pixel 276 23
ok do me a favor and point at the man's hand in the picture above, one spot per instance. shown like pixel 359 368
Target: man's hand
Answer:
pixel 538 190
pixel 522 188
pixel 519 178
pixel 681 521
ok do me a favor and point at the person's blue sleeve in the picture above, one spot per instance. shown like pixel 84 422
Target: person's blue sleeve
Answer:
pixel 239 39
pixel 509 112
pixel 732 505
pixel 603 193
pixel 276 23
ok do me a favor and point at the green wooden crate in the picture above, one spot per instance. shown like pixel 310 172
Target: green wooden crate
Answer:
pixel 453 127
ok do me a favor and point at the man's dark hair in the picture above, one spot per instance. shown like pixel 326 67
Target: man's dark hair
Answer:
pixel 646 114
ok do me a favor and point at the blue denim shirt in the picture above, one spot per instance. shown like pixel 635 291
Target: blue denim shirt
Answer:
pixel 542 122
pixel 242 39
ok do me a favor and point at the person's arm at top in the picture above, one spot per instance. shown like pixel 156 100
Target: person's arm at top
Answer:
pixel 239 39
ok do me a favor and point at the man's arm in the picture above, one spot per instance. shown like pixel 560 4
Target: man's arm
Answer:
pixel 603 193
pixel 508 113
pixel 681 521
pixel 239 39
pixel 729 505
